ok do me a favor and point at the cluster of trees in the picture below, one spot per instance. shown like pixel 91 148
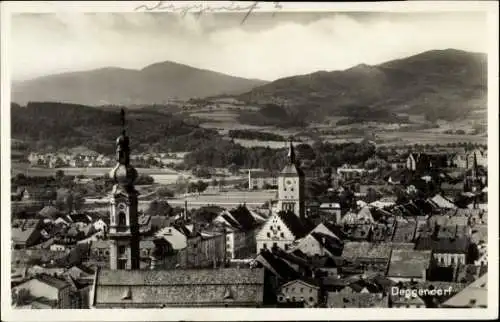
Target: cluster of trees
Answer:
pixel 45 125
pixel 273 114
pixel 322 154
pixel 255 135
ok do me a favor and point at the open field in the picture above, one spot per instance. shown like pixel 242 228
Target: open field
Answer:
pixel 88 172
pixel 229 200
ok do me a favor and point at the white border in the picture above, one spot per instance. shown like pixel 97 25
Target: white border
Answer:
pixel 8 314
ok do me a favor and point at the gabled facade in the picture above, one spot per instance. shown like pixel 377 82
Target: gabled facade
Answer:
pixel 300 291
pixel 275 233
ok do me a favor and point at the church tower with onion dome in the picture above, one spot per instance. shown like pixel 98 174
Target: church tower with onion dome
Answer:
pixel 124 226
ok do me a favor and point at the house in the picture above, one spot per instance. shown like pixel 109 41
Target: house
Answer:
pixel 281 230
pixel 333 209
pixel 307 292
pixel 49 212
pixel 58 247
pixel 48 287
pixel 364 216
pixel 468 273
pixel 475 295
pixel 356 300
pixel 226 287
pixel 25 237
pixel 100 225
pixel 404 231
pixel 262 180
pixel 203 252
pixel 459 160
pixel 446 251
pixel 381 232
pixel 443 202
pixel 319 244
pixel 369 256
pixel 409 265
pixel 359 232
pixel 348 172
pixel 410 301
pixel 173 236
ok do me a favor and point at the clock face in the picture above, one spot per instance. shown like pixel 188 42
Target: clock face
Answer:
pixel 288 182
pixel 121 206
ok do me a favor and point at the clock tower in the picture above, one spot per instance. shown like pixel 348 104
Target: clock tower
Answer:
pixel 291 186
pixel 124 226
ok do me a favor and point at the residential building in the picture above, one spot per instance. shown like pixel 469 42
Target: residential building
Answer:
pixel 369 256
pixel 57 291
pixel 281 230
pixel 475 295
pixel 409 265
pixel 333 209
pixel 173 236
pixel 261 179
pixel 446 251
pixel 203 252
pixel 306 292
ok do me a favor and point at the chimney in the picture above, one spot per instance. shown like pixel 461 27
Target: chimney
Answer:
pixel 185 210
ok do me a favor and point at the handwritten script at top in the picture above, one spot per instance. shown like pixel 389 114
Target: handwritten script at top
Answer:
pixel 200 8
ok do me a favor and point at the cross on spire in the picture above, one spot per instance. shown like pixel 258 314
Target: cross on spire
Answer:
pixel 291 152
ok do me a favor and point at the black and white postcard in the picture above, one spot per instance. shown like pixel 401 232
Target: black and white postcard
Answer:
pixel 177 160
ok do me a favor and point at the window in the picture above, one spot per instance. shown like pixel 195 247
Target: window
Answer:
pixel 275 245
pixel 293 290
pixel 452 260
pixel 291 189
pixel 279 228
pixel 122 250
pixel 122 219
pixel 301 290
pixel 264 245
pixel 122 264
pixel 268 235
pixel 311 299
pixel 286 246
pixel 282 235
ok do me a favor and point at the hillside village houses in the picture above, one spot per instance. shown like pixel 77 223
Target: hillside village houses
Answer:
pixel 339 253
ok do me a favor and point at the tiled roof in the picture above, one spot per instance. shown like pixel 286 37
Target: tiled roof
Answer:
pixel 444 245
pixel 357 232
pixel 281 267
pixel 146 288
pixel 404 231
pixel 49 212
pixel 474 295
pixel 224 276
pixel 21 236
pixel 298 227
pixel 355 250
pixel 243 216
pixel 332 244
pixel 356 300
pixel 405 263
pixel 52 281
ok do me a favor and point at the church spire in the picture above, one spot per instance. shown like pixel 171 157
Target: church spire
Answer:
pixel 123 143
pixel 123 173
pixel 291 153
pixel 474 167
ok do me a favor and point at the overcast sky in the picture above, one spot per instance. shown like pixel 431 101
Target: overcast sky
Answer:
pixel 264 47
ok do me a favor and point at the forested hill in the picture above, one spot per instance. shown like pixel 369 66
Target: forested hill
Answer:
pixel 57 125
pixel 156 83
pixel 439 84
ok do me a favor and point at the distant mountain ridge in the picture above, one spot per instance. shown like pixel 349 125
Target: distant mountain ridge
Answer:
pixel 155 83
pixel 444 84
